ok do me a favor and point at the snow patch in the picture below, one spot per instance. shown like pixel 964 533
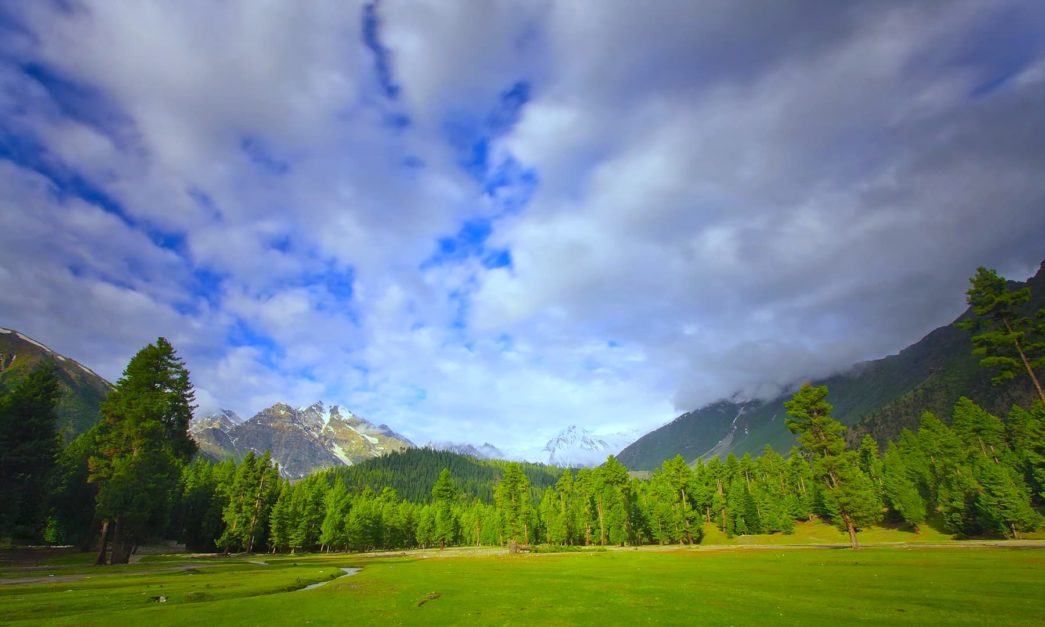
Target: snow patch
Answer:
pixel 87 370
pixel 34 342
pixel 340 454
pixel 368 438
pixel 3 330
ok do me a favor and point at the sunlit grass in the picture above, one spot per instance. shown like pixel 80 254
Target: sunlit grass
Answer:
pixel 819 532
pixel 880 585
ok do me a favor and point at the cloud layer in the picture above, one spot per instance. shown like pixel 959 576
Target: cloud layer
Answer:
pixel 487 221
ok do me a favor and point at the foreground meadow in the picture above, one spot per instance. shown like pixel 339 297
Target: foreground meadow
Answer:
pixel 739 586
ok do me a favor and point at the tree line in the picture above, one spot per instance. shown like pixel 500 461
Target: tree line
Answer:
pixel 980 475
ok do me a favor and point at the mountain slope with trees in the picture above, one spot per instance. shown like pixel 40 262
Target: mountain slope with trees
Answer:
pixel 877 398
pixel 81 389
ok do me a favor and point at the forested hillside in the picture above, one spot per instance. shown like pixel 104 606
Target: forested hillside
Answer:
pixel 878 398
pixel 412 472
pixel 82 390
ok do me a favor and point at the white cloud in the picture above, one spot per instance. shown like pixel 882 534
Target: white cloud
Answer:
pixel 731 196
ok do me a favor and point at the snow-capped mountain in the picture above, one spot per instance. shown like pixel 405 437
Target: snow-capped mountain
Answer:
pixel 224 419
pixel 575 446
pixel 301 440
pixel 484 451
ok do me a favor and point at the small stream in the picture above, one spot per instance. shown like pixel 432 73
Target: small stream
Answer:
pixel 348 572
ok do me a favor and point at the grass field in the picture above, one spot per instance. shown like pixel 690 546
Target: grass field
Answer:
pixel 819 532
pixel 707 585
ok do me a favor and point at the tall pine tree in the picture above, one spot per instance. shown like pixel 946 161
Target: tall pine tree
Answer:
pixel 142 442
pixel 28 452
pixel 1008 341
pixel 850 495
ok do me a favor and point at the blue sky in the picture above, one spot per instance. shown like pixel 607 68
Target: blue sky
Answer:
pixel 485 221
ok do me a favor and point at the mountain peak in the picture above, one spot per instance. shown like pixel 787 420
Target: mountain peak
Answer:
pixel 485 451
pixel 576 446
pixel 301 440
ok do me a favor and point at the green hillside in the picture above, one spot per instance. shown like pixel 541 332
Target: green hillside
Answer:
pixel 878 397
pixel 413 472
pixel 82 389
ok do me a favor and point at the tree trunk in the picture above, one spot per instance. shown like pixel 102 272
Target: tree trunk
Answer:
pixel 602 523
pixel 121 544
pixel 256 514
pixel 104 542
pixel 1026 364
pixel 851 528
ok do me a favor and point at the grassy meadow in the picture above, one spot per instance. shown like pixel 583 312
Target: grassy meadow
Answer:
pixel 705 585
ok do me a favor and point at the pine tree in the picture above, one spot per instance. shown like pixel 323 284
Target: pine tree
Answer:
pixel 281 519
pixel 900 492
pixel 616 505
pixel 870 461
pixel 849 493
pixel 1008 341
pixel 246 499
pixel 583 506
pixel 443 494
pixel 142 442
pixel 1025 432
pixel 1003 501
pixel 979 430
pixel 201 506
pixel 512 496
pixel 363 526
pixel 425 528
pixel 73 498
pixel 337 505
pixel 679 477
pixel 557 511
pixel 28 452
pixel 309 507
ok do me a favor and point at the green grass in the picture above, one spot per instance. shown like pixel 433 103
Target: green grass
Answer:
pixel 708 586
pixel 819 532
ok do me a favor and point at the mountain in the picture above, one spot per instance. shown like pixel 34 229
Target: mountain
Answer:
pixel 878 398
pixel 212 433
pixel 83 390
pixel 576 447
pixel 484 451
pixel 301 440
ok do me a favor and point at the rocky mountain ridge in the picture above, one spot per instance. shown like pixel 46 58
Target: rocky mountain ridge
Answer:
pixel 301 440
pixel 483 451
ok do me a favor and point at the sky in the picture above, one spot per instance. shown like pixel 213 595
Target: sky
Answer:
pixel 485 221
